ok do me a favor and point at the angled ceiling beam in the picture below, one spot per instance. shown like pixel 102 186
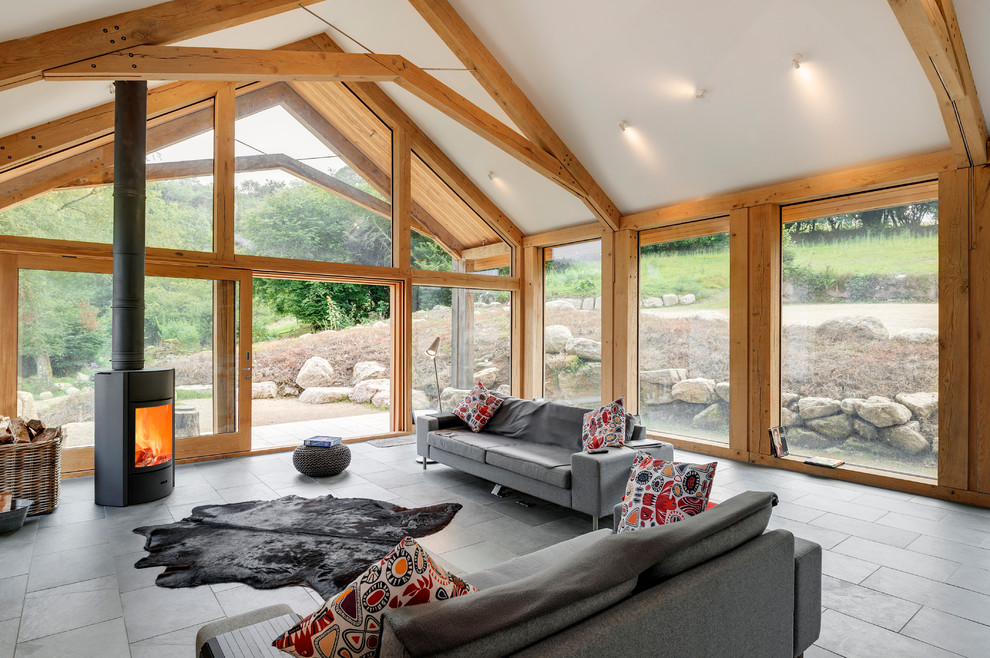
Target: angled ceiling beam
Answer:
pixel 174 62
pixel 375 98
pixel 23 60
pixel 70 131
pixel 933 32
pixel 450 27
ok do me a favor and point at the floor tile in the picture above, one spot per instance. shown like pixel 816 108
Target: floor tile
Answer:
pixel 796 512
pixel 155 610
pixel 815 651
pixel 951 550
pixel 471 512
pixel 972 578
pixel 854 638
pixel 26 535
pixel 823 536
pixel 940 529
pixel 962 636
pixel 243 598
pixel 866 530
pixel 59 538
pixel 477 557
pixel 868 605
pixel 8 636
pixel 58 610
pixel 849 569
pixel 79 564
pixel 367 490
pixel 15 560
pixel 174 644
pixel 532 511
pixel 932 594
pixel 72 512
pixel 898 558
pixel 841 507
pixel 513 535
pixel 12 596
pixel 248 492
pixel 103 640
pixel 129 577
pixel 901 506
pixel 422 494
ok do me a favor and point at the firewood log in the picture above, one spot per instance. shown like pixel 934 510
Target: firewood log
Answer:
pixel 47 434
pixel 36 426
pixel 20 431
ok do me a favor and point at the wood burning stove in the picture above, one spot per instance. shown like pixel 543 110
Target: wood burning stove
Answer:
pixel 134 451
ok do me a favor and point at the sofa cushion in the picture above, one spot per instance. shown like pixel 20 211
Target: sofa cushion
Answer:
pixel 478 407
pixel 538 461
pixel 539 422
pixel 661 492
pixel 605 427
pixel 466 444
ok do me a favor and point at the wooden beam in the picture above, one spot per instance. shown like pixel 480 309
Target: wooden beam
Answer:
pixel 606 282
pixel 891 196
pixel 486 251
pixel 625 319
pixel 933 32
pixel 464 280
pixel 229 65
pixel 913 169
pixel 8 335
pixel 450 27
pixel 739 357
pixel 532 322
pixel 764 325
pixel 23 60
pixel 591 231
pixel 184 63
pixel 979 336
pixel 382 105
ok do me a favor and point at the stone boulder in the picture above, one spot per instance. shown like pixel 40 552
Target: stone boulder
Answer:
pixel 883 412
pixel 25 405
pixel 487 376
pixel 711 418
pixel 722 390
pixel 838 426
pixel 665 377
pixel 325 394
pixel 588 304
pixel 577 384
pixel 504 389
pixel 451 397
pixel 655 394
pixel 866 430
pixel 696 391
pixel 72 390
pixel 817 407
pixel 364 391
pixel 288 390
pixel 906 438
pixel 46 395
pixel 789 399
pixel 922 405
pixel 799 437
pixel 853 326
pixel 560 305
pixel 366 370
pixel 789 418
pixel 317 371
pixel 382 399
pixel 849 405
pixel 916 336
pixel 82 377
pixel 687 299
pixel 555 338
pixel 584 348
pixel 670 299
pixel 652 302
pixel 598 303
pixel 421 400
pixel 264 390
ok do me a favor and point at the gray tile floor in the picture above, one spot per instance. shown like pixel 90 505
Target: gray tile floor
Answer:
pixel 903 575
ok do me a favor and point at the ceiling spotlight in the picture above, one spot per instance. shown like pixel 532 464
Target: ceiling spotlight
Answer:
pixel 491 175
pixel 701 93
pixel 623 125
pixel 796 60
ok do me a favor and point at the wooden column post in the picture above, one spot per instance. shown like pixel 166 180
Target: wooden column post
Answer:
pixel 979 337
pixel 402 350
pixel 625 319
pixel 739 296
pixel 224 112
pixel 764 325
pixel 8 335
pixel 461 334
pixel 531 321
pixel 517 332
pixel 607 315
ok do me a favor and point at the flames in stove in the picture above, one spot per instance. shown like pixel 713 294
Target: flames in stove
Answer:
pixel 152 435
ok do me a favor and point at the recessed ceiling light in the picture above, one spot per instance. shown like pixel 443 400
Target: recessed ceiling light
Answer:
pixel 701 93
pixel 491 175
pixel 796 60
pixel 623 125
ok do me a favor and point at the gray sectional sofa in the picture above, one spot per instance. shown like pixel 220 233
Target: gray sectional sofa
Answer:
pixel 714 585
pixel 535 448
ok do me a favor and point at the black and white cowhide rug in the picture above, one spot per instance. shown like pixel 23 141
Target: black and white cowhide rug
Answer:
pixel 322 542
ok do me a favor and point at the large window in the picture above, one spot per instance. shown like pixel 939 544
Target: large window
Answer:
pixel 859 336
pixel 684 331
pixel 475 332
pixel 572 360
pixel 299 192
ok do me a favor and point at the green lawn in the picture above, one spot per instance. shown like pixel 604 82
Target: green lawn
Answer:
pixel 884 256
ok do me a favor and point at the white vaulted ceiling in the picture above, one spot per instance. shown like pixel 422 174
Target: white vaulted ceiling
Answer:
pixel 859 96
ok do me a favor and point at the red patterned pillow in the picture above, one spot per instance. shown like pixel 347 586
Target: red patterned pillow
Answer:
pixel 478 407
pixel 605 427
pixel 350 624
pixel 662 492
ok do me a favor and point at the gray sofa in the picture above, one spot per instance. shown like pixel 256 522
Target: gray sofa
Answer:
pixel 535 448
pixel 714 585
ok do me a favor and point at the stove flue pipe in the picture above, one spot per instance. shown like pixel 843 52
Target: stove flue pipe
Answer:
pixel 129 178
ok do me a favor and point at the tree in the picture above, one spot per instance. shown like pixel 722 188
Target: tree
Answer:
pixel 324 304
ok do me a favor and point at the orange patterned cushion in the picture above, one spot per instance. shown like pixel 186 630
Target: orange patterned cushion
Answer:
pixel 350 624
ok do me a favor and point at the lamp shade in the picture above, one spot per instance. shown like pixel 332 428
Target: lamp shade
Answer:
pixel 431 351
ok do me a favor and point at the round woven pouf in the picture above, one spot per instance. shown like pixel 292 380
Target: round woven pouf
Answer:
pixel 318 462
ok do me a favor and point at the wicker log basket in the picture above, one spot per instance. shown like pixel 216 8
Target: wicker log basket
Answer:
pixel 33 471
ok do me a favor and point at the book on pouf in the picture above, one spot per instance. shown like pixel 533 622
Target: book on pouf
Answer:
pixel 323 441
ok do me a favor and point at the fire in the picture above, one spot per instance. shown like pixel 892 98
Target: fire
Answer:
pixel 152 435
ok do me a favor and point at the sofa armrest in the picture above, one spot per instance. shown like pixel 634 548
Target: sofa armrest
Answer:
pixel 426 424
pixel 598 481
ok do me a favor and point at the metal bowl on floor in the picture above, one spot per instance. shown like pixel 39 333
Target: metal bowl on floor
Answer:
pixel 14 519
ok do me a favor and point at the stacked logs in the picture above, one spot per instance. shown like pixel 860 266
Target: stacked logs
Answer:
pixel 22 430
